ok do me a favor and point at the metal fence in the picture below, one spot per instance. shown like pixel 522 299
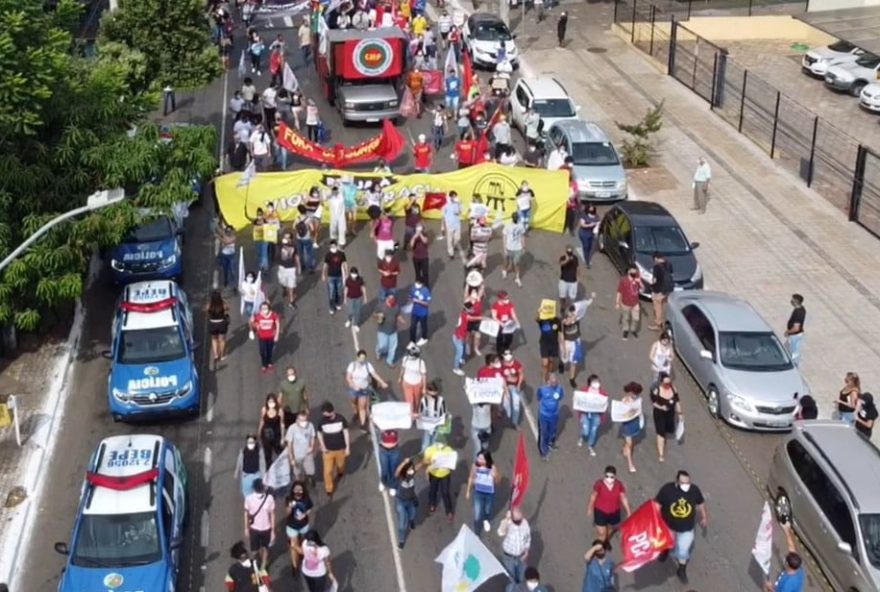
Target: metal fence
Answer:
pixel 830 161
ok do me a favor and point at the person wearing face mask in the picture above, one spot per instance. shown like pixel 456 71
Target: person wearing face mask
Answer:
pixel 293 392
pixel 301 438
pixel 299 509
pixel 432 414
pixel 413 376
pixel 420 297
pixel 355 294
pixel 481 485
pixel 667 407
pixel 267 327
pixel 550 396
pixel 627 302
pixel 271 428
pixel 357 377
pixel 680 502
pixel 288 268
pixel 568 278
pixel 250 292
pixel 516 538
pixel 599 568
pixel 480 235
pixel 631 428
pixel 572 351
pixel 389 272
pixel 591 421
pixel 587 225
pixel 335 443
pixel 412 218
pixel 336 206
pixel 419 245
pixel 407 501
pixel 606 500
pixel 450 225
pixel 514 377
pixel 661 355
pixel 244 574
pixel 335 268
pixel 383 233
pixel 250 465
pixel 226 256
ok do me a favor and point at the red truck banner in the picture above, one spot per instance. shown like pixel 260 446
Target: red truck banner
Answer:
pixel 387 145
pixel 433 82
pixel 369 58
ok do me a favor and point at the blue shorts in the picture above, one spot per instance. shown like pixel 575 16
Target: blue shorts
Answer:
pixel 359 393
pixel 293 532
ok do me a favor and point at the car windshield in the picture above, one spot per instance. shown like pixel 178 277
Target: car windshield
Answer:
pixel 755 352
pixel 159 229
pixel 553 107
pixel 492 32
pixel 842 46
pixel 868 61
pixel 869 524
pixel 116 540
pixel 660 239
pixel 594 154
pixel 150 346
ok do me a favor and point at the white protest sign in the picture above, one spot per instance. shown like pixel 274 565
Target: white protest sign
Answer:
pixel 509 327
pixel 392 415
pixel 278 475
pixel 621 411
pixel 490 327
pixel 429 424
pixel 487 390
pixel 589 402
pixel 447 460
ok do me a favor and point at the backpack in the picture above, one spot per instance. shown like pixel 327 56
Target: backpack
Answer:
pixel 302 231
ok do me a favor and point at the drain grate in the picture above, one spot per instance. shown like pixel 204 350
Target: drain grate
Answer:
pixel 596 49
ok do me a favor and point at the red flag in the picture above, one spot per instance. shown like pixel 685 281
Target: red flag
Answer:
pixel 482 147
pixel 644 536
pixel 467 75
pixel 520 473
pixel 496 116
pixel 434 201
pixel 388 145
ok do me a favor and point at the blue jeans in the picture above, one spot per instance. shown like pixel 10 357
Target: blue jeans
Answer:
pixel 354 310
pixel 306 253
pixel 452 102
pixel 794 348
pixel 428 438
pixel 386 347
pixel 267 346
pixel 406 513
pixel 847 416
pixel 227 264
pixel 515 566
pixel 547 427
pixel 248 309
pixel 437 133
pixel 590 428
pixel 513 404
pixel 334 291
pixel 475 438
pixel 458 356
pixel 281 157
pixel 384 292
pixel 586 244
pixel 306 53
pixel 525 216
pixel 483 503
pixel 263 254
pixel 684 542
pixel 389 459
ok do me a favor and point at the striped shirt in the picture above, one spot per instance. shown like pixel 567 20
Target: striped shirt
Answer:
pixel 517 538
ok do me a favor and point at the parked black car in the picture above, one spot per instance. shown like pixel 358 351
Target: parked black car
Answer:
pixel 632 231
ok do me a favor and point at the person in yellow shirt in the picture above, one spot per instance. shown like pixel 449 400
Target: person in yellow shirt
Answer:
pixel 419 25
pixel 439 477
pixel 405 9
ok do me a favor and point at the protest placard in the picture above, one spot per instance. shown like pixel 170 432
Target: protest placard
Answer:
pixel 429 424
pixel 589 402
pixel 488 390
pixel 621 411
pixel 490 327
pixel 392 415
pixel 447 460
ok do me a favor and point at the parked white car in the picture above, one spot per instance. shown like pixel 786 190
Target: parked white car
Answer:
pixel 547 96
pixel 869 98
pixel 817 61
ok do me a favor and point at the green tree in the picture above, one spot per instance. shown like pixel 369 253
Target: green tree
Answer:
pixel 173 34
pixel 638 147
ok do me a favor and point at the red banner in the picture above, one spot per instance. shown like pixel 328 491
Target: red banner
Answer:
pixel 520 474
pixel 386 145
pixel 369 58
pixel 644 536
pixel 433 201
pixel 433 82
pixel 467 75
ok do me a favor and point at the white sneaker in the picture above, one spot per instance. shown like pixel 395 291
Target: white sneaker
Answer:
pixel 338 307
pixel 347 324
pixel 381 488
pixel 486 526
pixel 392 492
pixel 592 452
pixel 458 371
pixel 356 329
pixel 580 442
pixel 421 342
pixel 518 282
pixel 503 273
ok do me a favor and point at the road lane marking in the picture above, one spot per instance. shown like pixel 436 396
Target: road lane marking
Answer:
pixel 209 416
pixel 205 534
pixel 354 338
pixel 207 464
pixel 530 419
pixel 389 517
pixel 223 115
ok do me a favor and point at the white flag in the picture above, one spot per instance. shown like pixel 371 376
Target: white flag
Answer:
pixel 763 550
pixel 249 173
pixel 290 82
pixel 451 62
pixel 467 563
pixel 242 65
pixel 278 475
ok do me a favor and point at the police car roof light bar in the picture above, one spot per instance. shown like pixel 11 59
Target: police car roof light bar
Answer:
pixel 123 483
pixel 165 304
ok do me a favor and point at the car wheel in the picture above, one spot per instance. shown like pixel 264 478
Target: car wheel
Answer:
pixel 713 402
pixel 782 506
pixel 856 89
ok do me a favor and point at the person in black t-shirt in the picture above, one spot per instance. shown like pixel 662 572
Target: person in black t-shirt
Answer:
pixel 237 154
pixel 335 269
pixel 679 503
pixel 568 278
pixel 661 287
pixel 243 575
pixel 335 445
pixel 866 414
pixel 794 329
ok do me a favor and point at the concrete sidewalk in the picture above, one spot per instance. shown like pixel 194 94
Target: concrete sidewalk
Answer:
pixel 765 235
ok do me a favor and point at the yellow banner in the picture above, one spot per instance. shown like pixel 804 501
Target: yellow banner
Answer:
pixel 495 184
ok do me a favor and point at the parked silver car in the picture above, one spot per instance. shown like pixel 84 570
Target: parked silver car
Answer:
pixel 816 61
pixel 825 479
pixel 598 170
pixel 853 77
pixel 736 359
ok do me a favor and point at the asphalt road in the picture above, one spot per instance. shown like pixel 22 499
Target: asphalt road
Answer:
pixel 728 465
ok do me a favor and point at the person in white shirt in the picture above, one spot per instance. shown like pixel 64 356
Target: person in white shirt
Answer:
pixel 249 94
pixel 556 159
pixel 501 134
pixel 312 120
pixel 413 376
pixel 261 148
pixel 444 23
pixel 269 99
pixel 243 128
pixel 336 206
pixel 304 34
pixel 516 535
pixel 525 197
pixel 532 123
pixel 236 104
pixel 702 177
pixel 432 412
pixel 508 157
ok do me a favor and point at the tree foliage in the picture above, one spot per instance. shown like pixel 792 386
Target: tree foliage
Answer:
pixel 638 147
pixel 70 126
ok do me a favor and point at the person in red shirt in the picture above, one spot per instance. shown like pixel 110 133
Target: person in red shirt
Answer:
pixel 514 377
pixel 464 151
pixel 422 154
pixel 267 327
pixel 493 369
pixel 460 334
pixel 627 302
pixel 389 271
pixel 504 312
pixel 606 500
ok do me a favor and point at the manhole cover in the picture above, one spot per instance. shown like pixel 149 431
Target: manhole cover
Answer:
pixel 596 49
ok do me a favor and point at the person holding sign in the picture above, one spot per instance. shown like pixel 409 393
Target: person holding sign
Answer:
pixel 389 459
pixel 474 292
pixel 436 460
pixel 591 409
pixel 481 485
pixel 664 399
pixel 432 414
pixel 631 428
pixel 550 339
pixel 572 351
pixel 504 313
